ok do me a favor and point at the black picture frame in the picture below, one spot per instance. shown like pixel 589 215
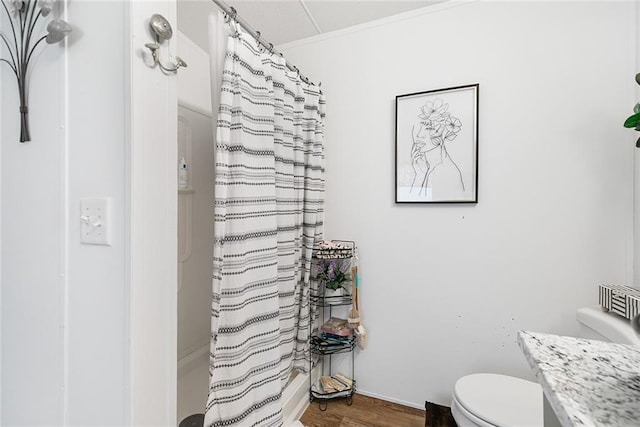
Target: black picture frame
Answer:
pixel 436 138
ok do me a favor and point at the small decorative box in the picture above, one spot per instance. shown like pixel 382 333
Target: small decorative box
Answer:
pixel 620 299
pixel 334 249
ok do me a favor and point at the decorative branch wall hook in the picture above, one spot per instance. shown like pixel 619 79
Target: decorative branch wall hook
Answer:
pixel 162 31
pixel 26 18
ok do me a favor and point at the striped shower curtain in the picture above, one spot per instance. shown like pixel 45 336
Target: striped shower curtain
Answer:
pixel 269 198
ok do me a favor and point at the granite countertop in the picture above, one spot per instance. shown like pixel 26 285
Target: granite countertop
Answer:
pixel 587 383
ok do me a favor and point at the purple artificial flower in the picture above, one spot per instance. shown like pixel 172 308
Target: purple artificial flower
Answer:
pixel 344 267
pixel 332 268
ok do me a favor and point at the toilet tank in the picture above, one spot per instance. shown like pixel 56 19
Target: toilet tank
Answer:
pixel 599 325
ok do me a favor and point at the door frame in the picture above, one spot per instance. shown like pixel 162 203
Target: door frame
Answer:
pixel 152 227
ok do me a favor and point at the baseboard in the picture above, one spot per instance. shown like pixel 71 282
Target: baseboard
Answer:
pixel 391 399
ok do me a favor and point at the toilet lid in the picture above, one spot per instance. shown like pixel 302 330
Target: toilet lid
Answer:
pixel 501 400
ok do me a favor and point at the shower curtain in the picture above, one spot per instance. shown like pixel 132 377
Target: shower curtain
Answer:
pixel 269 199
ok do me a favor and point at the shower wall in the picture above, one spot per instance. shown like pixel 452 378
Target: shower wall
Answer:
pixel 197 98
pixel 195 231
pixel 195 204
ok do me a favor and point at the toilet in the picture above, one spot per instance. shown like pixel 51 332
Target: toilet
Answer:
pixel 494 400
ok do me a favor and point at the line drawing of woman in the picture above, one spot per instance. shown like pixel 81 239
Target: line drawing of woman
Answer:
pixel 429 154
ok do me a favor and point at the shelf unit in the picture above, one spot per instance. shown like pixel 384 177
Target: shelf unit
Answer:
pixel 324 351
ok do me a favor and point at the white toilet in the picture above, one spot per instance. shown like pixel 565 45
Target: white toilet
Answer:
pixel 493 400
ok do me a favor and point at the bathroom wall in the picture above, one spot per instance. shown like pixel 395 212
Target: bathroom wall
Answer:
pixel 78 346
pixel 1 133
pixel 636 210
pixel 63 303
pixel 31 325
pixel 445 288
pixel 193 22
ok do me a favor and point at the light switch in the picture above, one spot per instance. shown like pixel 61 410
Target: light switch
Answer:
pixel 94 221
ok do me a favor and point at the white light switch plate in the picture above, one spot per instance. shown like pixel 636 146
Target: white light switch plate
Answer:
pixel 94 221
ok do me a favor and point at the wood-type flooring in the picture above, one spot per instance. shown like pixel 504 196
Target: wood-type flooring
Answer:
pixel 370 412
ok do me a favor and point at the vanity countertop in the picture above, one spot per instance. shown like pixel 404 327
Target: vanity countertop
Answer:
pixel 587 383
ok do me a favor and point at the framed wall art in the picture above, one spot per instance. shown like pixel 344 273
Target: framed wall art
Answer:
pixel 437 146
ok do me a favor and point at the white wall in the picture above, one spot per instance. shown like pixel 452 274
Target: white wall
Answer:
pixel 193 20
pixel 82 324
pixel 96 294
pixel 636 209
pixel 1 394
pixel 445 288
pixel 33 270
pixel 64 303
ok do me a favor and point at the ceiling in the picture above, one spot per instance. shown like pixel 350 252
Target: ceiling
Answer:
pixel 281 21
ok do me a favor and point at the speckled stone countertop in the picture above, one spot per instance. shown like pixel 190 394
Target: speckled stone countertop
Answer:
pixel 587 383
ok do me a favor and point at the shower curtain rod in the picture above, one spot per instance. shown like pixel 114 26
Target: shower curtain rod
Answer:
pixel 232 13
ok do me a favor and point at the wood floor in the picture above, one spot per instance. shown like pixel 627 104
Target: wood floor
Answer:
pixel 369 412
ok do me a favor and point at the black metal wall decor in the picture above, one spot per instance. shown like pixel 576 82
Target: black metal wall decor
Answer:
pixel 27 17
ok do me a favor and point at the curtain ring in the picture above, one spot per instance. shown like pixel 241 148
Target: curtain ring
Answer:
pixel 235 27
pixel 231 20
pixel 271 48
pixel 261 47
